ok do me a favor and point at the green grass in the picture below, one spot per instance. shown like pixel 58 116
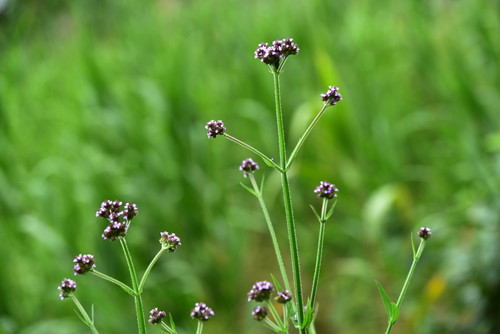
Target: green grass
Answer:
pixel 108 101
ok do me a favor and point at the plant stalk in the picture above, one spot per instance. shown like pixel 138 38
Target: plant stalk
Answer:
pixel 89 322
pixel 319 254
pixel 114 281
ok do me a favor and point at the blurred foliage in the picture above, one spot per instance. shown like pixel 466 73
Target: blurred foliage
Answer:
pixel 108 100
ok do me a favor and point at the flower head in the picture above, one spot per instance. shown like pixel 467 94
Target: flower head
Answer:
pixel 283 297
pixel 215 128
pixel 248 166
pixel 424 233
pixel 156 316
pixel 202 312
pixel 169 241
pixel 83 264
pixel 130 211
pixel 114 230
pixel 261 291
pixel 326 190
pixel 277 52
pixel 259 313
pixel 66 287
pixel 332 96
pixel 108 207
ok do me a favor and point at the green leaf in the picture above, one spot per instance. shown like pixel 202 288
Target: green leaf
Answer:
pixel 80 316
pixel 330 212
pixel 315 213
pixel 413 246
pixel 276 283
pixel 172 324
pixel 262 183
pixel 386 300
pixel 395 313
pixel 308 315
pixel 250 190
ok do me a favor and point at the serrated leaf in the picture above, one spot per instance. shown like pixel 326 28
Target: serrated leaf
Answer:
pixel 250 190
pixel 394 314
pixel 330 212
pixel 315 213
pixel 385 300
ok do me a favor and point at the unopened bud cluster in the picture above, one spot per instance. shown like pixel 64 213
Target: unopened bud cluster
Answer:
pixel 248 166
pixel 169 241
pixel 277 52
pixel 202 312
pixel 67 287
pixel 326 190
pixel 118 219
pixel 215 128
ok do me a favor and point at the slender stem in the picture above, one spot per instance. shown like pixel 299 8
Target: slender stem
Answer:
pixel 113 280
pixel 271 231
pixel 166 328
pixel 304 136
pixel 199 329
pixel 266 159
pixel 406 284
pixel 141 322
pixel 89 322
pixel 292 234
pixel 275 314
pixel 148 269
pixel 319 254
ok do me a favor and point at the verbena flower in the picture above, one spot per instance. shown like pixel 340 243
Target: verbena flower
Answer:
pixel 156 316
pixel 84 264
pixel 130 211
pixel 259 313
pixel 277 52
pixel 114 230
pixel 326 190
pixel 67 287
pixel 215 128
pixel 202 312
pixel 108 207
pixel 283 297
pixel 261 291
pixel 424 233
pixel 332 96
pixel 169 241
pixel 248 166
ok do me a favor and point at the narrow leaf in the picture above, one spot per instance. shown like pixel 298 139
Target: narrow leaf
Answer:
pixel 172 324
pixel 315 213
pixel 395 313
pixel 413 246
pixel 82 318
pixel 308 315
pixel 276 283
pixel 330 212
pixel 385 299
pixel 262 183
pixel 250 190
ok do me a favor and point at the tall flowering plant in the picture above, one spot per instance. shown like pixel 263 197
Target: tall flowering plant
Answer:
pixel 297 308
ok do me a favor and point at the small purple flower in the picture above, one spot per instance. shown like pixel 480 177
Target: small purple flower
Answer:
pixel 84 264
pixel 261 291
pixel 248 166
pixel 67 287
pixel 283 297
pixel 114 230
pixel 130 211
pixel 108 207
pixel 332 96
pixel 215 128
pixel 424 233
pixel 202 312
pixel 156 316
pixel 169 241
pixel 278 51
pixel 326 190
pixel 259 313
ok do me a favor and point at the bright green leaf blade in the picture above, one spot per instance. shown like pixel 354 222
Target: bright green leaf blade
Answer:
pixel 385 299
pixel 315 213
pixel 330 212
pixel 250 190
pixel 413 246
pixel 394 313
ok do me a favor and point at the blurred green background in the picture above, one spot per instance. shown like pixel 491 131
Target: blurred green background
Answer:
pixel 108 100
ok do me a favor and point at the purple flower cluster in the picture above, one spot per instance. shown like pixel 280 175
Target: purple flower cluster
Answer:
pixel 278 51
pixel 83 264
pixel 283 297
pixel 118 219
pixel 156 316
pixel 326 190
pixel 332 96
pixel 259 313
pixel 67 287
pixel 202 312
pixel 248 166
pixel 215 128
pixel 169 241
pixel 424 233
pixel 261 291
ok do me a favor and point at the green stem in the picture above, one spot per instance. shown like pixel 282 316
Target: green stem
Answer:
pixel 199 329
pixel 89 322
pixel 292 234
pixel 319 254
pixel 304 136
pixel 113 280
pixel 141 322
pixel 266 159
pixel 271 231
pixel 275 314
pixel 406 284
pixel 148 269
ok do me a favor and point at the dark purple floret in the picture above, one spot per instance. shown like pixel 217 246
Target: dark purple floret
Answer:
pixel 83 264
pixel 130 211
pixel 156 316
pixel 261 291
pixel 108 207
pixel 280 49
pixel 67 287
pixel 283 297
pixel 326 190
pixel 169 241
pixel 215 128
pixel 248 166
pixel 202 312
pixel 424 233
pixel 259 313
pixel 332 96
pixel 114 230
pixel 289 47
